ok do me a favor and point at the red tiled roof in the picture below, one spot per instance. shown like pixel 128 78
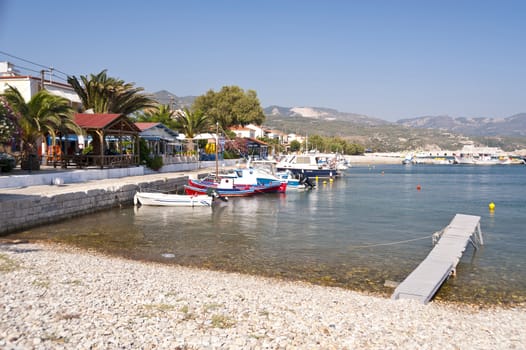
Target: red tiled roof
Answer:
pixel 94 121
pixel 145 125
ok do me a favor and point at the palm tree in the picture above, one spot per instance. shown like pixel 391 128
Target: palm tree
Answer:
pixel 104 94
pixel 162 114
pixel 44 114
pixel 191 124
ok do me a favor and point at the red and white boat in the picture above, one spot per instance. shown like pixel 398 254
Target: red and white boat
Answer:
pixel 238 182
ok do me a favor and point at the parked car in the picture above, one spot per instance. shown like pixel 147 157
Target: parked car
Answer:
pixel 7 162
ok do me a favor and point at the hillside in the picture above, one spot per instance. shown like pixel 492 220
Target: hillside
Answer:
pixel 510 126
pixel 427 133
pixel 167 98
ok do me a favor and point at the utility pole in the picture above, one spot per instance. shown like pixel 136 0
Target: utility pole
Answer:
pixel 42 72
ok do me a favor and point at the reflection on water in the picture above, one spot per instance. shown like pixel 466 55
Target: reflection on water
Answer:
pixel 338 234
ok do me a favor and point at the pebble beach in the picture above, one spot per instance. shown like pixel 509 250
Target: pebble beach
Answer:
pixel 59 297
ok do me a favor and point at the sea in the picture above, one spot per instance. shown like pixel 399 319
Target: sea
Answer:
pixel 363 231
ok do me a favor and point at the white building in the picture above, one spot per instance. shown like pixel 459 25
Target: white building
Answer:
pixel 248 131
pixel 30 85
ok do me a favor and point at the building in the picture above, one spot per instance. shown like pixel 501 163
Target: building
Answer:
pixel 29 85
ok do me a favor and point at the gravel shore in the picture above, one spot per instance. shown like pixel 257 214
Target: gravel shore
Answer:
pixel 57 297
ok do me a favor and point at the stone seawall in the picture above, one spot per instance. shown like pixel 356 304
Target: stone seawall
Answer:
pixel 20 211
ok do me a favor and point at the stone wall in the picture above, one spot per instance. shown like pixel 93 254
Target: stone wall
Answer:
pixel 24 211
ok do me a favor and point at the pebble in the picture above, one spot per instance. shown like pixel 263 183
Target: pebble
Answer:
pixel 67 298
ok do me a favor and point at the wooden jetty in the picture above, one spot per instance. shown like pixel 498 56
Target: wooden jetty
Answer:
pixel 441 262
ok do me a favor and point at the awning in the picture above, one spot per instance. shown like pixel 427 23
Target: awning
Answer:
pixel 69 95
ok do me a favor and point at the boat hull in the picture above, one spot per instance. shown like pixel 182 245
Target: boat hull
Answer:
pixel 235 192
pixel 232 189
pixel 173 200
pixel 312 173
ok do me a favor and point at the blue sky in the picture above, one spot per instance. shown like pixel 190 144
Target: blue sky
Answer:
pixel 387 59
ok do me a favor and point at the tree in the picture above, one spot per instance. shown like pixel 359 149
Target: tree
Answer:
pixel 44 114
pixel 295 146
pixel 8 123
pixel 231 106
pixel 104 94
pixel 191 123
pixel 161 114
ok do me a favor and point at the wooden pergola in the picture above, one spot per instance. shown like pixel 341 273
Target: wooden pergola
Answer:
pixel 109 134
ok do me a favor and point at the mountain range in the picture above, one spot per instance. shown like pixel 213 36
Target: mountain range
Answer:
pixel 513 126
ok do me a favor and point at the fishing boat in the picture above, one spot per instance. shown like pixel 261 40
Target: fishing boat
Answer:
pixel 224 188
pixel 294 182
pixel 239 182
pixel 176 200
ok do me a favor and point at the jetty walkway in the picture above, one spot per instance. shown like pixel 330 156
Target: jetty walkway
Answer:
pixel 426 279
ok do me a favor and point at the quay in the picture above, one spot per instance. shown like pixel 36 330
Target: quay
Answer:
pixel 423 283
pixel 54 195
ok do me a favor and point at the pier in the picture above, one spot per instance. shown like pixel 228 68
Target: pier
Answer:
pixel 441 262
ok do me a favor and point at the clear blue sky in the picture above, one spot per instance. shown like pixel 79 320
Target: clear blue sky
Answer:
pixel 389 59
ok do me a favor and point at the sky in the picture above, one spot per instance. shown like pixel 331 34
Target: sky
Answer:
pixel 389 59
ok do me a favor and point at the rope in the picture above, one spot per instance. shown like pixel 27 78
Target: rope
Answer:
pixel 390 243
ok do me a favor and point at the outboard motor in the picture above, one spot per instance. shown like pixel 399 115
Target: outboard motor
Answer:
pixel 308 182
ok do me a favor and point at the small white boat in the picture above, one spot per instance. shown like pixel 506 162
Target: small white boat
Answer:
pixel 175 200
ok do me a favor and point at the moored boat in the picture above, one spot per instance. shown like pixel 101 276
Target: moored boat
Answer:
pixel 310 165
pixel 224 188
pixel 175 200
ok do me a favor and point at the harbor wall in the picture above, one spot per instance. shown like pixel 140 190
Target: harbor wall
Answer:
pixel 23 211
pixel 66 177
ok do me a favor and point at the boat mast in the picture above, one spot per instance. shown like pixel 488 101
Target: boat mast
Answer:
pixel 217 153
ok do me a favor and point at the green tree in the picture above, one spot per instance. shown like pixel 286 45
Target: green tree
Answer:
pixel 191 123
pixel 231 106
pixel 104 94
pixel 160 114
pixel 316 142
pixel 44 114
pixel 295 146
pixel 274 143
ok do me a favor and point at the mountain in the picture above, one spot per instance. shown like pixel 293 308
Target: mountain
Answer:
pixel 320 113
pixel 167 98
pixel 440 132
pixel 511 126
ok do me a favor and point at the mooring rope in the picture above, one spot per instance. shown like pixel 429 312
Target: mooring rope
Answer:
pixel 390 243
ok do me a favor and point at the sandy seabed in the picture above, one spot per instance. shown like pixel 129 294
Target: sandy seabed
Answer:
pixel 59 297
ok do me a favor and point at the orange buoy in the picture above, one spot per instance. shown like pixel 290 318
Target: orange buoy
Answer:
pixel 418 188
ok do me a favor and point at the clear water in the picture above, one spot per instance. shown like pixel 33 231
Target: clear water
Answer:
pixel 367 227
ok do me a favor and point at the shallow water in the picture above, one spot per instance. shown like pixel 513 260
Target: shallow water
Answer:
pixel 367 227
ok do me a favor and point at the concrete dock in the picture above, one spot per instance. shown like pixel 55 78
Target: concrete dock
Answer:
pixel 29 205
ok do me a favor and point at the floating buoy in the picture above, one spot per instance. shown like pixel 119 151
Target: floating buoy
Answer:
pixel 418 188
pixel 316 178
pixel 491 206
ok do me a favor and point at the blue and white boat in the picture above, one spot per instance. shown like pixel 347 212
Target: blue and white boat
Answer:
pixel 294 183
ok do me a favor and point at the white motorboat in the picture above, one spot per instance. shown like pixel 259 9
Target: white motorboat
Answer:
pixel 310 165
pixel 175 200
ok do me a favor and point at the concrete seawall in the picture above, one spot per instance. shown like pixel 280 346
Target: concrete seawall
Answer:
pixel 23 210
pixel 34 199
pixel 36 205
